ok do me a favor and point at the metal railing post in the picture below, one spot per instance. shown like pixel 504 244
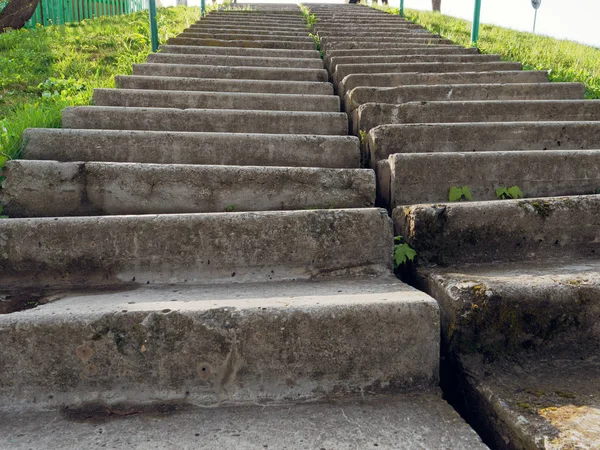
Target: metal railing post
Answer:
pixel 475 28
pixel 401 9
pixel 202 8
pixel 153 25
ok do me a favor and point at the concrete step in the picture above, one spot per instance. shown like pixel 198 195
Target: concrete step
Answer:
pixel 303 32
pixel 335 61
pixel 423 50
pixel 370 45
pixel 385 140
pixel 216 60
pixel 376 32
pixel 247 73
pixel 51 188
pixel 166 147
pixel 205 120
pixel 215 100
pixel 249 21
pixel 541 229
pixel 401 79
pixel 275 43
pixel 236 51
pixel 410 178
pixel 370 115
pixel 222 85
pixel 422 419
pixel 457 92
pixel 247 37
pixel 375 36
pixel 129 251
pixel 341 43
pixel 242 26
pixel 343 70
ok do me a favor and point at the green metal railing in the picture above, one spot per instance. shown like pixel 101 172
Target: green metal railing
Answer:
pixel 58 12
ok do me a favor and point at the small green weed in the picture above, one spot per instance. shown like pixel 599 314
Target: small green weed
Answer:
pixel 230 208
pixel 363 136
pixel 513 192
pixel 402 252
pixel 309 18
pixel 2 216
pixel 460 193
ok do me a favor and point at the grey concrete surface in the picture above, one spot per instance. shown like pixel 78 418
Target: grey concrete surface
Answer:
pixel 302 32
pixel 246 37
pixel 401 79
pixel 479 232
pixel 166 147
pixel 343 70
pixel 219 60
pixel 386 140
pixel 205 120
pixel 369 115
pixel 194 248
pixel 222 85
pixel 236 51
pixel 215 100
pixel 248 73
pixel 341 43
pixel 390 59
pixel 410 422
pixel 51 188
pixel 205 345
pixel 275 43
pixel 411 178
pixel 462 92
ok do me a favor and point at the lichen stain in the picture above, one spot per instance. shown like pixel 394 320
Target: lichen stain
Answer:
pixel 579 426
pixel 84 353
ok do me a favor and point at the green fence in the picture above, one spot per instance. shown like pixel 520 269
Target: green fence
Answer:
pixel 57 12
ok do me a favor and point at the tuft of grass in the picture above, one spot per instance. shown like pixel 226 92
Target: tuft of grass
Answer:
pixel 566 61
pixel 46 69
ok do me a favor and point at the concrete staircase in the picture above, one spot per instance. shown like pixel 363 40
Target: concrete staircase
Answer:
pixel 196 262
pixel 517 280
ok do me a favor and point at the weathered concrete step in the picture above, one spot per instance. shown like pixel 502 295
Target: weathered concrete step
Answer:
pixel 205 120
pixel 247 37
pixel 336 61
pixel 369 45
pixel 423 50
pixel 457 92
pixel 542 229
pixel 386 140
pixel 377 32
pixel 258 342
pixel 216 100
pixel 222 85
pixel 164 147
pixel 243 26
pixel 374 36
pixel 341 43
pixel 546 397
pixel 343 70
pixel 225 72
pixel 254 31
pixel 422 419
pixel 400 79
pixel 242 43
pixel 51 188
pixel 370 115
pixel 193 248
pixel 236 51
pixel 250 21
pixel 410 178
pixel 216 60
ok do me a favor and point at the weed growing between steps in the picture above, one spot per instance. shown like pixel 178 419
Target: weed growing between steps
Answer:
pixel 566 60
pixel 49 68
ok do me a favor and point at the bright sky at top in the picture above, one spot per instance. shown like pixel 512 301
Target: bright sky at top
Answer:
pixel 577 20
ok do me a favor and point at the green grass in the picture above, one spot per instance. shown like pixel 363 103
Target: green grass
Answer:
pixel 46 69
pixel 565 60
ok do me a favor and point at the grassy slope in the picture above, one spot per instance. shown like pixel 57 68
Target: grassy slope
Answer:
pixel 566 60
pixel 46 69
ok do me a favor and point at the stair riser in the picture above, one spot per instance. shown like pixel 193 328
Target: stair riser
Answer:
pixel 49 189
pixel 248 73
pixel 246 37
pixel 235 51
pixel 343 70
pixel 213 60
pixel 462 92
pixel 406 179
pixel 193 248
pixel 302 32
pixel 222 85
pixel 242 43
pixel 401 79
pixel 214 100
pixel 205 120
